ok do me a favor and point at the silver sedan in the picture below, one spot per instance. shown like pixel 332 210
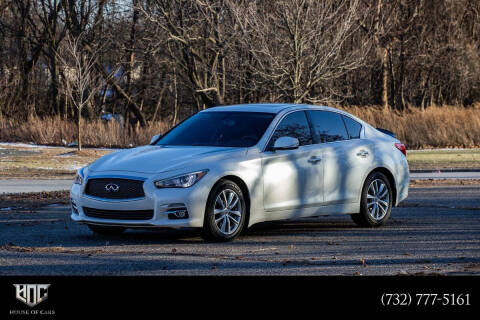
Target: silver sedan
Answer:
pixel 227 168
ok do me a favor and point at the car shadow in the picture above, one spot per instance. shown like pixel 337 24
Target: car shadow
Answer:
pixel 147 236
pixel 194 235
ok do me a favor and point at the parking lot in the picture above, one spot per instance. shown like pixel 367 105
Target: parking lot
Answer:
pixel 435 231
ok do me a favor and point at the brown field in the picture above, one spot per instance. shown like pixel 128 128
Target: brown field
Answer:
pixel 44 162
pixel 55 131
pixel 436 127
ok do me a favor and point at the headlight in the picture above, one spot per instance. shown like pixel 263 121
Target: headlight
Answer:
pixel 181 181
pixel 79 177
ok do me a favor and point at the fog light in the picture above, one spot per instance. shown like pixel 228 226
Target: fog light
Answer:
pixel 74 206
pixel 175 211
pixel 180 214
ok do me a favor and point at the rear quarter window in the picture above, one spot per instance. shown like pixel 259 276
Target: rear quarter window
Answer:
pixel 353 127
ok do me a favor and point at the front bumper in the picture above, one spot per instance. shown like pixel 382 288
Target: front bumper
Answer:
pixel 161 201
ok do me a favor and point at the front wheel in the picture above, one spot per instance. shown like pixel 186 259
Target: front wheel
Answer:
pixel 225 212
pixel 376 202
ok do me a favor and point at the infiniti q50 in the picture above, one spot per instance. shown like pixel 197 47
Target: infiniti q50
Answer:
pixel 227 168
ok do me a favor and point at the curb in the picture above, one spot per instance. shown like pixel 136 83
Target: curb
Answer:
pixel 445 170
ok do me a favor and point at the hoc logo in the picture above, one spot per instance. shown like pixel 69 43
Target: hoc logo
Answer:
pixel 32 294
pixel 112 187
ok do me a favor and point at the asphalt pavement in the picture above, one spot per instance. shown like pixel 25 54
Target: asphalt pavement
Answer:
pixel 33 185
pixel 435 231
pixel 444 174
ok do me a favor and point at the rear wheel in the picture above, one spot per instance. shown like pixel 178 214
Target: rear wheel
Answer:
pixel 376 203
pixel 106 230
pixel 225 212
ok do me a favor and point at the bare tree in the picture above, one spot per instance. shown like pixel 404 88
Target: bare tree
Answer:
pixel 197 37
pixel 299 45
pixel 165 59
pixel 81 81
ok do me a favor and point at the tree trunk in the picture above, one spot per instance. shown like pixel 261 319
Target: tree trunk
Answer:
pixel 65 106
pixel 131 46
pixel 400 100
pixel 79 130
pixel 385 78
pixel 391 77
pixel 175 105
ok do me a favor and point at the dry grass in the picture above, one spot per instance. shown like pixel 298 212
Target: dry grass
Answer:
pixel 95 133
pixel 436 127
pixel 443 158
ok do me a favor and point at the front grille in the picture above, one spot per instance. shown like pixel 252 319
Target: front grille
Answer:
pixel 114 188
pixel 118 214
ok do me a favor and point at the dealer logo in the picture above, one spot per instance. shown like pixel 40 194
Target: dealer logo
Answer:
pixel 32 294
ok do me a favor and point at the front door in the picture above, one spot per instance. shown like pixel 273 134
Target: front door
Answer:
pixel 293 178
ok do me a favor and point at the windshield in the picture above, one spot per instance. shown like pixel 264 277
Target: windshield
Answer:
pixel 219 129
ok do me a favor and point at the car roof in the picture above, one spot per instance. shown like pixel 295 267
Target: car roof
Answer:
pixel 266 107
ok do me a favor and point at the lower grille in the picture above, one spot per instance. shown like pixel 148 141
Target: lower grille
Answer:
pixel 118 214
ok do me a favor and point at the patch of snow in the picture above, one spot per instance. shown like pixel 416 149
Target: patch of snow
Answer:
pixel 75 167
pixel 26 145
pixel 71 168
pixel 32 145
pixel 5 209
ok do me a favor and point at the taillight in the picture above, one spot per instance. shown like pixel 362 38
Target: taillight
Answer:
pixel 401 147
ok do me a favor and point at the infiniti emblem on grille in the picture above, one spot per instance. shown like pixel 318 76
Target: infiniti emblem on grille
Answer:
pixel 112 187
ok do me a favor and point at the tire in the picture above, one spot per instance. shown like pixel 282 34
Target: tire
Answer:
pixel 376 201
pixel 106 230
pixel 225 212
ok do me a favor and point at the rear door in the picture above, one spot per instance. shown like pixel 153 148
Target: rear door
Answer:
pixel 346 157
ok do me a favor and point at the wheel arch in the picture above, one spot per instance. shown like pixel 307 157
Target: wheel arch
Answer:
pixel 246 193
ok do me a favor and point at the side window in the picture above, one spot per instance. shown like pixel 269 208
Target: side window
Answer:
pixel 327 126
pixel 294 125
pixel 353 127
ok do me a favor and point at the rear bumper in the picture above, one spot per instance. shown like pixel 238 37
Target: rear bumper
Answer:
pixel 403 182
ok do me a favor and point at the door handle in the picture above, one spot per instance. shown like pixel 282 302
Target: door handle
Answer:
pixel 362 153
pixel 314 160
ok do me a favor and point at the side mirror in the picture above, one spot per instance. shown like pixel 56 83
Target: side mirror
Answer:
pixel 154 138
pixel 286 143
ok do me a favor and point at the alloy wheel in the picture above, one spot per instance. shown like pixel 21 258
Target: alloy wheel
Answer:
pixel 227 211
pixel 378 199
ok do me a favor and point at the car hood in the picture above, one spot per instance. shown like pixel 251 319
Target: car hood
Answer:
pixel 156 159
